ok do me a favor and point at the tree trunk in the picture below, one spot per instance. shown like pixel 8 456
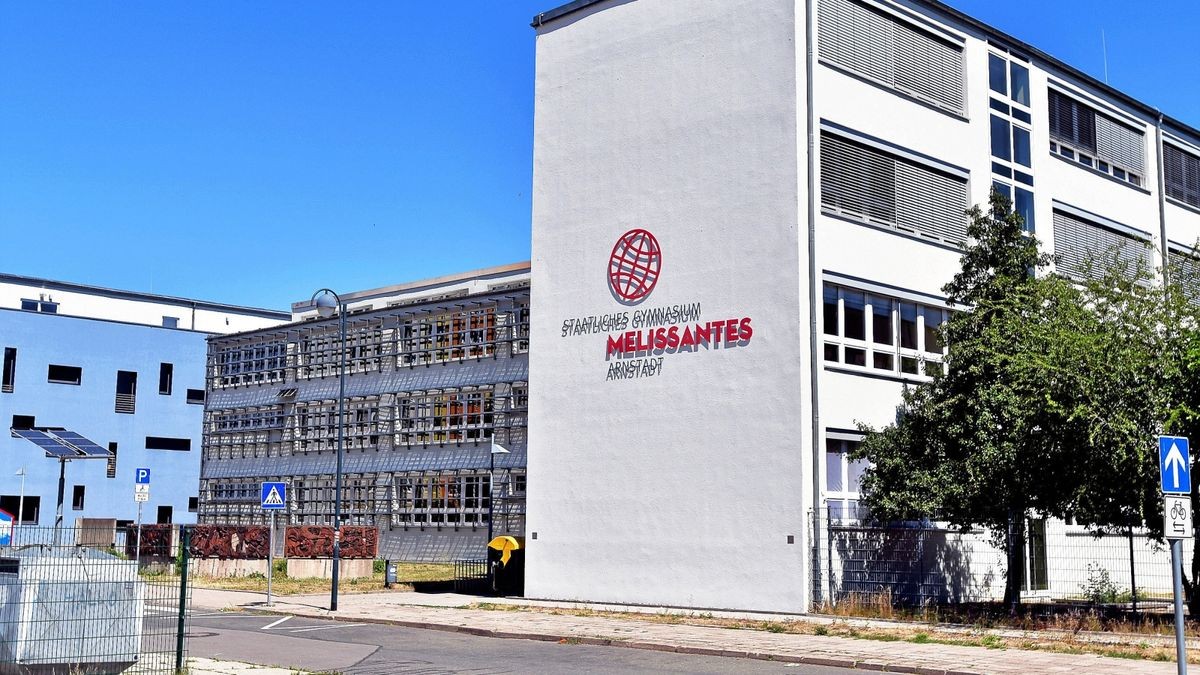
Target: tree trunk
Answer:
pixel 1014 541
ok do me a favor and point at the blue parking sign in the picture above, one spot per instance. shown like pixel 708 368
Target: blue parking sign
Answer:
pixel 141 476
pixel 6 528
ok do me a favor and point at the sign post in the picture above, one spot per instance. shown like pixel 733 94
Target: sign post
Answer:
pixel 141 494
pixel 1174 463
pixel 272 498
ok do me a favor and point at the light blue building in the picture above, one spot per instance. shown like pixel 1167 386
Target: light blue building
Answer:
pixel 134 389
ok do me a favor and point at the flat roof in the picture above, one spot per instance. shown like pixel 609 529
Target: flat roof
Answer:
pixel 485 273
pixel 137 295
pixel 990 32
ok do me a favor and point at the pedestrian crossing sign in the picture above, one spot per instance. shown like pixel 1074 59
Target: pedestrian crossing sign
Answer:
pixel 273 496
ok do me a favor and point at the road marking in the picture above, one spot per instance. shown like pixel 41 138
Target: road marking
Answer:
pixel 274 623
pixel 312 628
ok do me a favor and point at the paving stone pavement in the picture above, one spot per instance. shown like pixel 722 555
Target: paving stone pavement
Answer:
pixel 398 608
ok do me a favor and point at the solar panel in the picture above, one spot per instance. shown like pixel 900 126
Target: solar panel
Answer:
pixel 77 441
pixel 52 446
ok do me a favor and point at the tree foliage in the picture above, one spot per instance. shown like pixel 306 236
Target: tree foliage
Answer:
pixel 1049 400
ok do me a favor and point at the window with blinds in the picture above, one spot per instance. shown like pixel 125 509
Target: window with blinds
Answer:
pixel 1083 249
pixel 879 46
pixel 1182 173
pixel 1185 271
pixel 866 183
pixel 1093 139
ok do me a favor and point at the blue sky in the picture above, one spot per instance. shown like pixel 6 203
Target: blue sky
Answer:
pixel 253 152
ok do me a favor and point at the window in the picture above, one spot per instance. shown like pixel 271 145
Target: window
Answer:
pixel 126 391
pixel 195 396
pixel 439 499
pixel 892 52
pixel 879 333
pixel 193 504
pixel 843 479
pixel 865 183
pixel 64 374
pixel 27 512
pixel 111 470
pixel 166 373
pixel 1023 205
pixel 10 370
pixel 77 498
pixel 164 515
pixel 1083 249
pixel 1185 270
pixel 1091 138
pixel 167 443
pixel 39 306
pixel 1182 174
pixel 170 322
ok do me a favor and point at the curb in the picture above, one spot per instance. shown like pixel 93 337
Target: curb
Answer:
pixel 832 662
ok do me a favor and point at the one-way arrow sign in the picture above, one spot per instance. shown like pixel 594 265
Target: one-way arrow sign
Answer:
pixel 1174 463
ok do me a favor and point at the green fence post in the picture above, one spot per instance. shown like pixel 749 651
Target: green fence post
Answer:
pixel 185 536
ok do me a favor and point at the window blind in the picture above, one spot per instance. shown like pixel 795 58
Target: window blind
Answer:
pixel 899 55
pixel 1182 173
pixel 1084 250
pixel 867 183
pixel 1075 123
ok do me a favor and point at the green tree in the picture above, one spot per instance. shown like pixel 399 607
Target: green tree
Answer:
pixel 1035 410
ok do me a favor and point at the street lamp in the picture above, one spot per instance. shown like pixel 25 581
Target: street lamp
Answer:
pixel 497 449
pixel 327 302
pixel 21 503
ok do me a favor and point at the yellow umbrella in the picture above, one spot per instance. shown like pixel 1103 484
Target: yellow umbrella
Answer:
pixel 506 545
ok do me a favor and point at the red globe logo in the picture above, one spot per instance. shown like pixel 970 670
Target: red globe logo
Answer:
pixel 634 265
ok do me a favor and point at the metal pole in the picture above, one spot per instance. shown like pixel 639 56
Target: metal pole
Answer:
pixel 137 544
pixel 21 504
pixel 270 557
pixel 337 493
pixel 487 556
pixel 1132 574
pixel 1177 578
pixel 185 533
pixel 62 484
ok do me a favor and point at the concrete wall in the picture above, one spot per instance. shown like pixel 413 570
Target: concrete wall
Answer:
pixel 101 348
pixel 687 486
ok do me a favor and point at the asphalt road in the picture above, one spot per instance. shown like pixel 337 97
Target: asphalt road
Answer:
pixel 370 649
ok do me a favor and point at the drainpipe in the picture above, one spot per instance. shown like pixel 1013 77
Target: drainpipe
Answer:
pixel 813 299
pixel 1162 195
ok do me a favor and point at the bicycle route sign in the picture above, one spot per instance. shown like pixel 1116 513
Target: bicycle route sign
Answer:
pixel 1177 516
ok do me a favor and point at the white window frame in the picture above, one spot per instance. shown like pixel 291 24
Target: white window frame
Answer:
pixel 922 359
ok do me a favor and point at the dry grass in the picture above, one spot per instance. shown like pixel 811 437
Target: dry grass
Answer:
pixel 407 575
pixel 1031 617
pixel 1069 643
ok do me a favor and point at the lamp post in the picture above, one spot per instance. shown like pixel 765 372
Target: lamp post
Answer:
pixel 327 302
pixel 21 503
pixel 497 449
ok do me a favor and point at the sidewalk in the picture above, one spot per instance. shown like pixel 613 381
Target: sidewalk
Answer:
pixel 450 612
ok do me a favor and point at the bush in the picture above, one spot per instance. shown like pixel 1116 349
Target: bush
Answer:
pixel 378 567
pixel 279 568
pixel 1099 589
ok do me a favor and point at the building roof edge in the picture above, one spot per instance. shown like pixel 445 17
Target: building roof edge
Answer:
pixel 138 295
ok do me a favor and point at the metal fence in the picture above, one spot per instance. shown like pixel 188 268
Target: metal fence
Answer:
pixel 72 601
pixel 471 576
pixel 930 563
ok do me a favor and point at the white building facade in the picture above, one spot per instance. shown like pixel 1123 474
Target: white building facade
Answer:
pixel 744 213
